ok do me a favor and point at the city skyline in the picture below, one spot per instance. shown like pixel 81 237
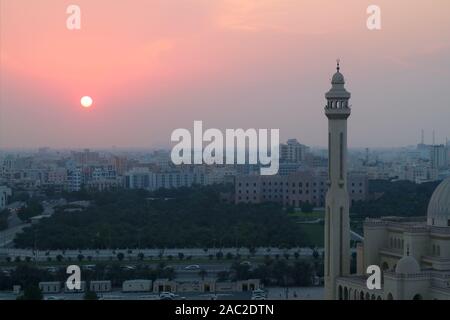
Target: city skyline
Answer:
pixel 149 75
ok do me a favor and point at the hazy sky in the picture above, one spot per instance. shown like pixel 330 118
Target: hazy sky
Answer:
pixel 152 66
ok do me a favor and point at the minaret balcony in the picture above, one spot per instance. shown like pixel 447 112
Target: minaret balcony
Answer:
pixel 337 113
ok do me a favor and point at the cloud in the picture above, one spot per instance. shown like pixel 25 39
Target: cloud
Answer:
pixel 252 15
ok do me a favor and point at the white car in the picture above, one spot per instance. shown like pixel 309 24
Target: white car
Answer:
pixel 52 269
pixel 258 297
pixel 192 267
pixel 259 292
pixel 167 296
pixel 54 298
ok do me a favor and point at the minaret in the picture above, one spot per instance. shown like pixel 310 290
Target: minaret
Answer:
pixel 337 225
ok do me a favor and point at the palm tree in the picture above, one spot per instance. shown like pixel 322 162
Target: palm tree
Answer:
pixel 141 256
pixel 203 273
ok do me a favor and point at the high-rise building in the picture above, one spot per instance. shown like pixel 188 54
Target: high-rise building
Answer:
pixel 438 156
pixel 337 224
pixel 292 152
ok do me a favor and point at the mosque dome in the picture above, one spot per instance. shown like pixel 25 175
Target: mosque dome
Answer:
pixel 338 78
pixel 407 265
pixel 439 206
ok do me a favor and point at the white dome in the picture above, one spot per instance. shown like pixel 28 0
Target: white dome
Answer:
pixel 407 265
pixel 439 206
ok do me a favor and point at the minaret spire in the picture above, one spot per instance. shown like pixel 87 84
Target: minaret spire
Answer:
pixel 337 221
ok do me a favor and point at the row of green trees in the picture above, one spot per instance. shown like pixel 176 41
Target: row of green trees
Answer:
pixel 399 198
pixel 28 276
pixel 192 217
pixel 277 272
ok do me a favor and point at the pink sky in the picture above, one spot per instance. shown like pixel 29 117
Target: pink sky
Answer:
pixel 156 65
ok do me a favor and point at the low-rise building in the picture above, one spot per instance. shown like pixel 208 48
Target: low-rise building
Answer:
pixel 295 189
pixel 100 286
pixel 50 287
pixel 138 285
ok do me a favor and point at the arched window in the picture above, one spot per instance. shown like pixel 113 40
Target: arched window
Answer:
pixel 361 295
pixel 345 293
pixel 385 266
pixel 340 293
pixel 390 297
pixel 379 298
pixel 373 297
pixel 355 295
pixel 367 296
pixel 417 297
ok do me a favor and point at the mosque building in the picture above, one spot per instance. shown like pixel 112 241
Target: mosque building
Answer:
pixel 413 253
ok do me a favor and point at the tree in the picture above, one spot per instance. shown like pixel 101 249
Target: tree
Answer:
pixel 90 295
pixel 80 257
pixel 307 207
pixel 180 256
pixel 4 219
pixel 31 293
pixel 315 254
pixel 223 276
pixel 197 217
pixel 120 256
pixel 302 274
pixel 219 255
pixel 203 273
pixel 33 208
pixel 240 271
pixel 141 256
pixel 59 258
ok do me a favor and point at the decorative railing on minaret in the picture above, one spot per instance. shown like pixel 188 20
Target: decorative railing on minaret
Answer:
pixel 337 225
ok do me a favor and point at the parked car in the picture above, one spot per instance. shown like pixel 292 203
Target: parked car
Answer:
pixel 246 263
pixel 192 267
pixel 54 298
pixel 167 296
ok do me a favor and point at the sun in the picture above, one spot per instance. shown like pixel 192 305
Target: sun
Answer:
pixel 86 101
